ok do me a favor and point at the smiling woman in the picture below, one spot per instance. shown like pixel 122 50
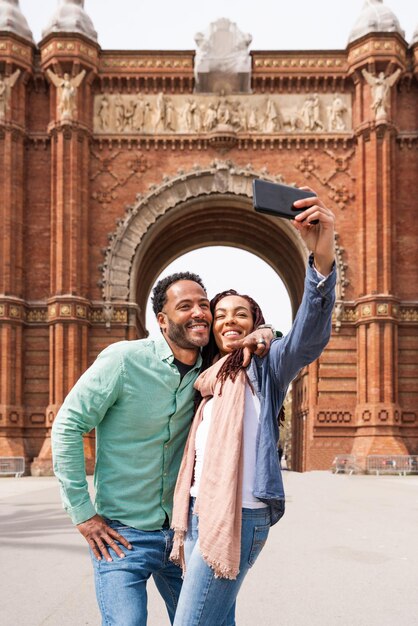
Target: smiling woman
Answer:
pixel 224 268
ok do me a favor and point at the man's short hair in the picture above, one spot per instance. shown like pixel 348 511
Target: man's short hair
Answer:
pixel 159 293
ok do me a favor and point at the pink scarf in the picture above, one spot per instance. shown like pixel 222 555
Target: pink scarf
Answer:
pixel 219 502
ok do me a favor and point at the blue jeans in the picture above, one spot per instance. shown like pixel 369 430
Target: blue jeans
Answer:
pixel 209 601
pixel 121 584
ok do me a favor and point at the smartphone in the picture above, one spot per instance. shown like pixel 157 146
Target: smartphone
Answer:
pixel 277 199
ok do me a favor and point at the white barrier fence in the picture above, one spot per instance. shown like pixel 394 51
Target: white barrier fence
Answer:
pixel 392 464
pixel 12 466
pixel 376 464
pixel 344 464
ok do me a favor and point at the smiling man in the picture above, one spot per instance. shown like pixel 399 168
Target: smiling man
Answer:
pixel 139 397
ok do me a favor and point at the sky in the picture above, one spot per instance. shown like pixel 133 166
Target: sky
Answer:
pixel 168 24
pixel 274 25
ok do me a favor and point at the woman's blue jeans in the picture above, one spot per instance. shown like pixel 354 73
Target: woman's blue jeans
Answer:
pixel 121 584
pixel 209 601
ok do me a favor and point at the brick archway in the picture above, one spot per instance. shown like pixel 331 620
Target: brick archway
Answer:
pixel 194 209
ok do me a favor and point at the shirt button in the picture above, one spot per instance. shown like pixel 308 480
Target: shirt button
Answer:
pixel 165 474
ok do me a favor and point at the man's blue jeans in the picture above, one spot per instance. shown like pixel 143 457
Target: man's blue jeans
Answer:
pixel 121 584
pixel 209 601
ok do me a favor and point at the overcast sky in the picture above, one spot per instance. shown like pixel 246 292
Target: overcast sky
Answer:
pixel 172 24
pixel 273 24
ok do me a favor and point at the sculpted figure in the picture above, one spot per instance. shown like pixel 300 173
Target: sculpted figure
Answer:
pixel 119 114
pixel 272 117
pixel 223 112
pixel 104 114
pixel 243 122
pixel 318 125
pixel 160 115
pixel 336 114
pixel 6 85
pixel 140 114
pixel 235 115
pixel 67 92
pixel 129 115
pixel 191 114
pixel 310 113
pixel 293 120
pixel 170 116
pixel 380 86
pixel 307 114
pixel 253 119
pixel 210 118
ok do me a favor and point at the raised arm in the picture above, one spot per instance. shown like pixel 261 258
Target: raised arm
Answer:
pixel 312 326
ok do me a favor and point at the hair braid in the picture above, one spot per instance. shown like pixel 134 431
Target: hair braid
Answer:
pixel 233 364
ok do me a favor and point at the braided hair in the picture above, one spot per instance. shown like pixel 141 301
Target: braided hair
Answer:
pixel 234 362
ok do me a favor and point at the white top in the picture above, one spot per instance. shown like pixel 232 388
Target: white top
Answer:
pixel 251 421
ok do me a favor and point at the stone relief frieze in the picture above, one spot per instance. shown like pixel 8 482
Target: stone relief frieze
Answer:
pixel 189 114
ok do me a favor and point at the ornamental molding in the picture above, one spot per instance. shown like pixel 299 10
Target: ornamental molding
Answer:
pixel 380 309
pixel 139 114
pixel 220 177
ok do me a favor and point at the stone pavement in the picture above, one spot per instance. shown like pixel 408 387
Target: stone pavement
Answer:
pixel 345 553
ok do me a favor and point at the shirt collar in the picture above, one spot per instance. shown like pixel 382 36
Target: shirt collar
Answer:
pixel 165 353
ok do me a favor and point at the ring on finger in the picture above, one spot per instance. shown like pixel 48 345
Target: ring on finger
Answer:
pixel 261 342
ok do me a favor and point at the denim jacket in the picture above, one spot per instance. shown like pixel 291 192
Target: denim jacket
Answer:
pixel 272 374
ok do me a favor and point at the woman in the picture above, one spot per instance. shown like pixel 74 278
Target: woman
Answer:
pixel 229 490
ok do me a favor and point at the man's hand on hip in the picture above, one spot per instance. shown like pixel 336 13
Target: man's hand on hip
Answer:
pixel 99 536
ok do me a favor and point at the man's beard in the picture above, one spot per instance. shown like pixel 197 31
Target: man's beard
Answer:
pixel 177 333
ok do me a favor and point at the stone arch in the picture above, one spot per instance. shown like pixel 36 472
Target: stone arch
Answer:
pixel 201 207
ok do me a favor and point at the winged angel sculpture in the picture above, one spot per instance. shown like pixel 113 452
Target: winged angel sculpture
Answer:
pixel 6 85
pixel 67 91
pixel 380 86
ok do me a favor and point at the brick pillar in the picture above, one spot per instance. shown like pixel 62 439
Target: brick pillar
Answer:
pixel 377 412
pixel 68 304
pixel 16 56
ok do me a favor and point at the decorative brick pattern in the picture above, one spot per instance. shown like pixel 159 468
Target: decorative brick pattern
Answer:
pixel 89 219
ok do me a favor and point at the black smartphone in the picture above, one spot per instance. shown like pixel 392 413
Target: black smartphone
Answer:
pixel 277 199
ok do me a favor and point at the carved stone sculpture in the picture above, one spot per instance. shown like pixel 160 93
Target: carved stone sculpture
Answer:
pixel 67 93
pixel 104 113
pixel 272 117
pixel 310 114
pixel 222 58
pixel 210 117
pixel 149 114
pixel 141 114
pixel 336 114
pixel 380 86
pixel 6 85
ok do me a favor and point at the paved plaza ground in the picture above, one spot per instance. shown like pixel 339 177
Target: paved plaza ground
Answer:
pixel 346 553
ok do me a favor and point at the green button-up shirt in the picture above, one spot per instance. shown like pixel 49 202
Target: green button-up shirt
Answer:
pixel 133 396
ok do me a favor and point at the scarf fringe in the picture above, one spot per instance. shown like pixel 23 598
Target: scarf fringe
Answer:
pixel 177 552
pixel 221 570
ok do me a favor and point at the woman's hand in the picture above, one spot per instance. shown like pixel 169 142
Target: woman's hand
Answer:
pixel 319 238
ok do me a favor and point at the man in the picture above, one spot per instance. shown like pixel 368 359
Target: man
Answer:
pixel 139 397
